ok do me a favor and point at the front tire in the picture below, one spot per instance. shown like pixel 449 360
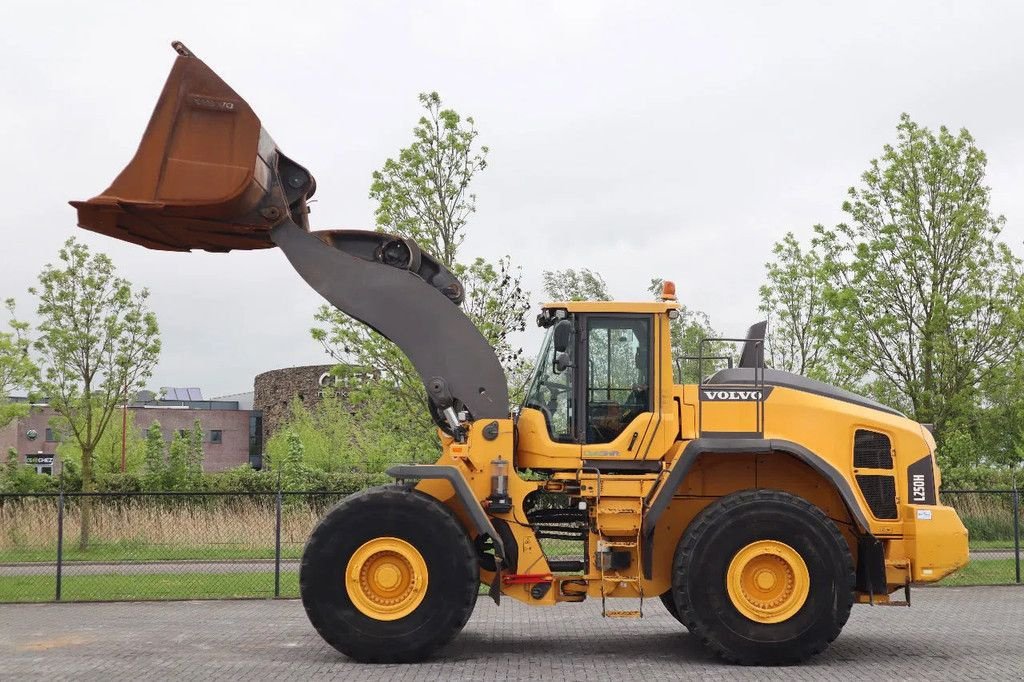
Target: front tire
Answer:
pixel 763 577
pixel 388 576
pixel 669 600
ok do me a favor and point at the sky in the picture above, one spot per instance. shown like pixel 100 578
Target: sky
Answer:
pixel 642 139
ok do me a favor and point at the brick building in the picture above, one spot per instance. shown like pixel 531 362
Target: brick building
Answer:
pixel 232 430
pixel 274 391
pixel 235 427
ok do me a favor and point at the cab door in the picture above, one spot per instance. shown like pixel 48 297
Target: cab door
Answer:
pixel 548 423
pixel 616 386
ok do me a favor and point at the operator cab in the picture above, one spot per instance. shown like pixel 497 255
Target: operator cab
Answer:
pixel 594 388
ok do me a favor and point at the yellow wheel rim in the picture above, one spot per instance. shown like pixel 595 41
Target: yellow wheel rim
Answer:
pixel 386 578
pixel 768 581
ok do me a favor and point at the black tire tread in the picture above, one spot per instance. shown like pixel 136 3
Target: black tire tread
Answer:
pixel 447 522
pixel 708 519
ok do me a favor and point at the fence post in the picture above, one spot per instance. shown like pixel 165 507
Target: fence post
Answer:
pixel 277 540
pixel 60 539
pixel 1016 529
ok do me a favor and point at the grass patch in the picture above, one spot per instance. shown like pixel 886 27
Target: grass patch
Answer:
pixel 260 584
pixel 988 517
pixel 983 572
pixel 114 587
pixel 1006 543
pixel 994 528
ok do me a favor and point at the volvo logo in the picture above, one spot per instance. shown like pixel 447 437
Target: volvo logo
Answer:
pixel 756 394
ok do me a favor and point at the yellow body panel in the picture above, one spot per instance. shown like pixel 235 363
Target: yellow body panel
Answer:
pixel 921 544
pixel 936 539
pixel 826 427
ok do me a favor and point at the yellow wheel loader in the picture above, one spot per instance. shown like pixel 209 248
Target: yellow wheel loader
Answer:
pixel 757 505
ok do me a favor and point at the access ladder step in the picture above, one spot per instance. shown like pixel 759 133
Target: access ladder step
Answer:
pixel 623 614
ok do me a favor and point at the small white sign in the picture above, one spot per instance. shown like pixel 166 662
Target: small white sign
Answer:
pixel 924 514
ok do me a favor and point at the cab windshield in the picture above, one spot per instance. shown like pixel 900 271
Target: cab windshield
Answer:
pixel 551 393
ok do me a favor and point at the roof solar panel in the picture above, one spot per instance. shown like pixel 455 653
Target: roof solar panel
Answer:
pixel 185 394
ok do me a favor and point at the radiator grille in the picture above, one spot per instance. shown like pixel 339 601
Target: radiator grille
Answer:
pixel 871 450
pixel 880 493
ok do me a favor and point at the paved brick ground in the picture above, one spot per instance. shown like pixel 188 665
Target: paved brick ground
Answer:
pixel 950 633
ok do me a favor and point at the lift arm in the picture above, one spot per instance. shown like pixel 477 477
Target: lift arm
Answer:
pixel 208 176
pixel 458 367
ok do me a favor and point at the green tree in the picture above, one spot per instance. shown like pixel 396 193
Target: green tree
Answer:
pixel 292 471
pixel 195 454
pixel 424 193
pixel 17 370
pixel 154 468
pixel 98 343
pixel 15 478
pixel 1000 424
pixel 575 285
pixel 176 475
pixel 382 433
pixel 989 437
pixel 107 452
pixel 498 306
pixel 326 434
pixel 927 296
pixel 11 465
pixel 800 337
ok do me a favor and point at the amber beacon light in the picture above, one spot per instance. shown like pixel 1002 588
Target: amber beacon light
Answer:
pixel 668 291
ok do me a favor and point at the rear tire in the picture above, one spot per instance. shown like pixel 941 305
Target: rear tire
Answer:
pixel 763 543
pixel 389 522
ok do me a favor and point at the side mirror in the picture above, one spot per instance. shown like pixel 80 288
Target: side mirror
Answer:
pixel 562 362
pixel 562 334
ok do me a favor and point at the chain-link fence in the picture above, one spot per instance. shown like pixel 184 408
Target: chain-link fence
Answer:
pixel 993 519
pixel 138 546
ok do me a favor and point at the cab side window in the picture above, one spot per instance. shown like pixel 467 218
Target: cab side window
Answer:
pixel 618 374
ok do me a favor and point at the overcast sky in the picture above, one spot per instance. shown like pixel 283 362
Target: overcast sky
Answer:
pixel 676 140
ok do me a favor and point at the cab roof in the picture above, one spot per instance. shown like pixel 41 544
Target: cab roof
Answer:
pixel 613 306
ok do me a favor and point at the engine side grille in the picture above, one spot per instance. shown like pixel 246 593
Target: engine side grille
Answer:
pixel 559 523
pixel 880 493
pixel 871 450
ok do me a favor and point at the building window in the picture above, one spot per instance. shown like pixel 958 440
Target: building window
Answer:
pixel 216 436
pixel 256 440
pixel 51 437
pixel 183 433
